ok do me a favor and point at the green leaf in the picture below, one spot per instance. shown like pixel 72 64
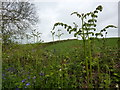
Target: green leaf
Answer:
pixel 76 14
pixel 88 29
pixel 88 14
pixel 92 20
pixel 71 31
pixel 65 25
pixel 112 26
pixel 74 29
pixel 99 8
pixel 95 11
pixel 80 30
pixel 47 75
pixel 69 27
pixel 75 34
pixel 61 24
pixel 94 16
pixel 99 34
pixel 89 25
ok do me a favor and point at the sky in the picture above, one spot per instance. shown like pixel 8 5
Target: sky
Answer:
pixel 51 12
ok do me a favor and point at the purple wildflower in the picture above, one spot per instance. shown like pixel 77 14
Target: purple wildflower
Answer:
pixel 41 74
pixel 17 89
pixel 3 74
pixel 34 77
pixel 11 69
pixel 23 80
pixel 28 77
pixel 27 84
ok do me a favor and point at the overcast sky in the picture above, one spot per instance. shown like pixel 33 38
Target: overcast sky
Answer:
pixel 52 12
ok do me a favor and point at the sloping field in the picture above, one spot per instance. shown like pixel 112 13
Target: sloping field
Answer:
pixel 61 64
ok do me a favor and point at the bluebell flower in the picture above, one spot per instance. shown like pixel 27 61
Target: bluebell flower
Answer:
pixel 3 74
pixel 17 89
pixel 28 77
pixel 27 84
pixel 23 80
pixel 41 74
pixel 11 69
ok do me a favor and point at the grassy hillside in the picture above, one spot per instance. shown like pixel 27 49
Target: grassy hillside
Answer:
pixel 69 45
pixel 60 64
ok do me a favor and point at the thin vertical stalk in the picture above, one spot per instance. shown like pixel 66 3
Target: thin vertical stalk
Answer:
pixel 37 38
pixel 87 71
pixel 53 37
pixel 59 35
pixel 86 58
pixel 98 69
pixel 90 58
pixel 84 46
pixel 34 39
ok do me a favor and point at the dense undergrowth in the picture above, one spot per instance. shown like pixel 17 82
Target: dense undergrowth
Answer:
pixel 61 65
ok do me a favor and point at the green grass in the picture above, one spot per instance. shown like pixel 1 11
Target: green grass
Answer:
pixel 70 45
pixel 65 46
pixel 59 65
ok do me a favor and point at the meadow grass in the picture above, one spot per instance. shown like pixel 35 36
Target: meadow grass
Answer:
pixel 59 65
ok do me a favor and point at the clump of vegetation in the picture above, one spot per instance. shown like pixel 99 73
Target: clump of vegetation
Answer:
pixel 59 34
pixel 53 33
pixel 37 35
pixel 87 28
pixel 50 66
